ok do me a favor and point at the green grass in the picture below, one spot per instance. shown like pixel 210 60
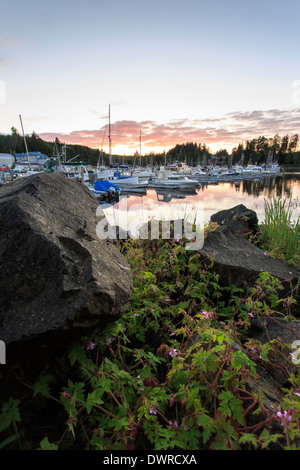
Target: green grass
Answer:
pixel 280 233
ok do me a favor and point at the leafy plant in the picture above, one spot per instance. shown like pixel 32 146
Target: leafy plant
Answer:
pixel 172 373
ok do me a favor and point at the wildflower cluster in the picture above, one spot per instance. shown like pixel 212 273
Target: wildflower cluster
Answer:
pixel 174 371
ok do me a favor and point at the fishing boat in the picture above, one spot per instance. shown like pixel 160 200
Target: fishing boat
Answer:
pixel 273 169
pixel 104 189
pixel 168 179
pixel 252 170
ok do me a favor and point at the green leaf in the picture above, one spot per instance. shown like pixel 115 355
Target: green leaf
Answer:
pixel 46 445
pixel 240 359
pixel 231 405
pixel 94 398
pixel 77 353
pixel 266 438
pixel 249 438
pixel 208 431
pixel 10 413
pixel 203 420
pixel 42 386
pixel 121 423
pixel 207 424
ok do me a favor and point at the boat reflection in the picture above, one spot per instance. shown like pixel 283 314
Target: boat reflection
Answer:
pixel 213 198
pixel 167 194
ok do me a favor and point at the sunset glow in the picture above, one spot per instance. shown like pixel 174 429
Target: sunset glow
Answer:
pixel 225 132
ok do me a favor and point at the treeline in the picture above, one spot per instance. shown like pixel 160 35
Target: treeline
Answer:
pixel 283 150
pixel 14 143
pixel 256 151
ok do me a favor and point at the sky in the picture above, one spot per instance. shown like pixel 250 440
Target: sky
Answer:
pixel 216 72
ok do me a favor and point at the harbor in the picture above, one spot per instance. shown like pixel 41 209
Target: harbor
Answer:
pixel 213 186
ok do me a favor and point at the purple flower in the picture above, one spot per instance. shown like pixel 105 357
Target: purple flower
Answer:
pixel 173 352
pixel 90 346
pixel 205 314
pixel 167 299
pixel 284 417
pixel 152 411
pixel 250 314
pixel 298 394
pixel 173 424
pixel 109 341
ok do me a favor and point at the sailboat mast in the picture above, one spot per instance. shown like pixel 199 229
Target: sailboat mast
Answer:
pixel 140 149
pixel 25 141
pixel 109 136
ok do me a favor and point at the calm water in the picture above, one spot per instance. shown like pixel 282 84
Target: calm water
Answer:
pixel 213 198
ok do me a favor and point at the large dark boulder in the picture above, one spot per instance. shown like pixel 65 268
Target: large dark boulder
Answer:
pixel 57 279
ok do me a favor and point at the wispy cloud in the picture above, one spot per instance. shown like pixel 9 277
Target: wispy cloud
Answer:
pixel 224 131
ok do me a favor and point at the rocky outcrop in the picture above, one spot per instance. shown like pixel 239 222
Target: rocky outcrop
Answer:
pixel 57 278
pixel 239 219
pixel 237 261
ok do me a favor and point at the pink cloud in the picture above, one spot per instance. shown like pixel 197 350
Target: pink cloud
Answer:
pixel 228 130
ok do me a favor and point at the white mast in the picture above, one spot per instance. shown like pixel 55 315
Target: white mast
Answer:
pixel 109 137
pixel 25 142
pixel 140 149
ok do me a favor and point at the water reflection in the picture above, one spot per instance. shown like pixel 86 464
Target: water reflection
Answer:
pixel 216 197
pixel 167 195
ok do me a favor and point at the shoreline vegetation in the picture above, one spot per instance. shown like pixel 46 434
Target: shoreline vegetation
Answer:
pixel 284 149
pixel 173 373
